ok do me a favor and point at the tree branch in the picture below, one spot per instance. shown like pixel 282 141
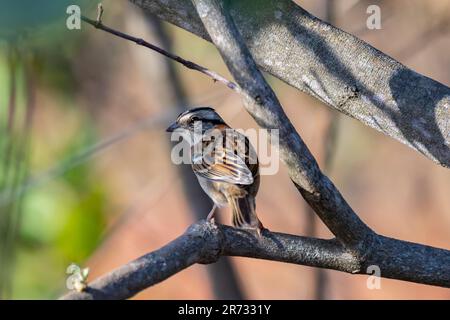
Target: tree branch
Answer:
pixel 337 68
pixel 204 243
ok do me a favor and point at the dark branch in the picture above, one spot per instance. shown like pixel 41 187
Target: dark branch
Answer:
pixel 204 242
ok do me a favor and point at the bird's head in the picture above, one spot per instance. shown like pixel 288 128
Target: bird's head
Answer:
pixel 204 117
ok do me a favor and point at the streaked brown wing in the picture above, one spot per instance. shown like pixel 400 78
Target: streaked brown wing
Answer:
pixel 224 166
pixel 226 162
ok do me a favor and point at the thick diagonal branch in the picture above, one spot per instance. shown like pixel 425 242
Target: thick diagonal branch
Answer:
pixel 337 68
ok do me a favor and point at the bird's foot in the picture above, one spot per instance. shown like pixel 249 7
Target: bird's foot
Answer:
pixel 260 229
pixel 210 217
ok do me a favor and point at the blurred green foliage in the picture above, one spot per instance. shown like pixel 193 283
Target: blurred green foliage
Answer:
pixel 61 220
pixel 42 19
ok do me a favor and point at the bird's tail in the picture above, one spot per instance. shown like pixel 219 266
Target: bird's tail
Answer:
pixel 244 213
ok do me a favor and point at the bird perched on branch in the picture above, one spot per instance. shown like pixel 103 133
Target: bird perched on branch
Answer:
pixel 224 162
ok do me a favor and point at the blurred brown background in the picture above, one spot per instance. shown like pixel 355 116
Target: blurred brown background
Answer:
pixel 102 207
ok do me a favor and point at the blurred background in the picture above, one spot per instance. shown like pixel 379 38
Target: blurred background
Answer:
pixel 85 169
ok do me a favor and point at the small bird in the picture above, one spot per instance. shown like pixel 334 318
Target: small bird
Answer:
pixel 225 164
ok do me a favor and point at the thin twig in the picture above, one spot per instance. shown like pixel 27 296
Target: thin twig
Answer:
pixel 188 64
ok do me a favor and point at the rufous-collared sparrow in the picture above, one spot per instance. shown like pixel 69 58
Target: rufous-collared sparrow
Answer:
pixel 224 162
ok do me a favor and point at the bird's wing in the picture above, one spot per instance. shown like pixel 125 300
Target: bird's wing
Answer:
pixel 223 165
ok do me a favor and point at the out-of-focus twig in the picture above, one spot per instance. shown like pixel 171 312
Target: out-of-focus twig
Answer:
pixel 14 166
pixel 85 154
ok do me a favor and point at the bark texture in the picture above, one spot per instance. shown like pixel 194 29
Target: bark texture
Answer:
pixel 336 67
pixel 204 242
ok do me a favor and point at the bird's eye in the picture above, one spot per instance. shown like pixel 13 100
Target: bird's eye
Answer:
pixel 194 119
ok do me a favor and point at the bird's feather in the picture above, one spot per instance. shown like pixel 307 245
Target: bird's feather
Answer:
pixel 220 162
pixel 225 166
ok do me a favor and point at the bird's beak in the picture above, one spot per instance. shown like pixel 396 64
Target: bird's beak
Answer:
pixel 174 126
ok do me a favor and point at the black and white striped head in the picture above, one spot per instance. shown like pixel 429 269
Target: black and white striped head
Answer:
pixel 206 116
